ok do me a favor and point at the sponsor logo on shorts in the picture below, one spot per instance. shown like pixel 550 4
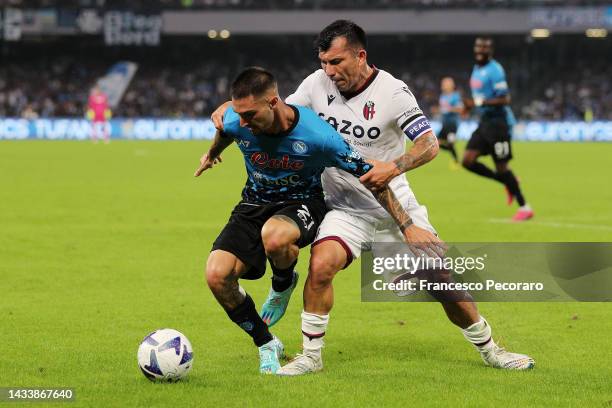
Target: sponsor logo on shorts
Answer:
pixel 304 215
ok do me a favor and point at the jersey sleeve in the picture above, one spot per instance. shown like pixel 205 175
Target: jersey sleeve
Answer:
pixel 303 94
pixel 231 123
pixel 498 81
pixel 338 153
pixel 408 114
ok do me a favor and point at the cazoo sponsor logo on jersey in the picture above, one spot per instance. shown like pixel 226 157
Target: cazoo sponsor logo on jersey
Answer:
pixel 346 127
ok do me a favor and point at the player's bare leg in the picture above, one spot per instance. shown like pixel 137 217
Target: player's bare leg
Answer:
pixel 223 269
pixel 327 259
pixel 462 314
pixel 279 236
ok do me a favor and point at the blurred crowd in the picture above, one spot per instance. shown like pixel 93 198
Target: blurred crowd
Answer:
pixel 297 4
pixel 58 86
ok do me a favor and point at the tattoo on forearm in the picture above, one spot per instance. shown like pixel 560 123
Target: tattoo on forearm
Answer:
pixel 421 152
pixel 389 202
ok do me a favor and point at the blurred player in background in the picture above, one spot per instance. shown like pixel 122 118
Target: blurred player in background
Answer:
pixel 450 106
pixel 491 99
pixel 285 149
pixel 375 113
pixel 99 113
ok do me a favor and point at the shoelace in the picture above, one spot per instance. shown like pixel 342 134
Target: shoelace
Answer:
pixel 298 361
pixel 499 350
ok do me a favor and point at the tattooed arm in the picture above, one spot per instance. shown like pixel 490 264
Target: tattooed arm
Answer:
pixel 424 149
pixel 390 203
pixel 417 238
pixel 341 155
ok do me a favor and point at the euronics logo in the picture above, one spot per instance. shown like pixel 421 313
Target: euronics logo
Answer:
pixel 184 129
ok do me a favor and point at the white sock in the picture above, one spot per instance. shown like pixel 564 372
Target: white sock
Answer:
pixel 525 207
pixel 313 330
pixel 479 334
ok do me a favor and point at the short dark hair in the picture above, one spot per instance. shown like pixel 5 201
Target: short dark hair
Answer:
pixel 252 81
pixel 355 36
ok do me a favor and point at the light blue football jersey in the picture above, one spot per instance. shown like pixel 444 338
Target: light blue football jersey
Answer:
pixel 288 166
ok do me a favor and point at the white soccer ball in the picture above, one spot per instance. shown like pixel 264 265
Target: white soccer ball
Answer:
pixel 165 355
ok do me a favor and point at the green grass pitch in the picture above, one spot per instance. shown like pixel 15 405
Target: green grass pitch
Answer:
pixel 100 244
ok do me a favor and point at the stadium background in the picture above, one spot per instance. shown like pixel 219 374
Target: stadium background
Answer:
pixel 100 244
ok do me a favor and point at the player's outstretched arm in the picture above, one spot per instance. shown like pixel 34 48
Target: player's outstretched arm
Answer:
pixel 213 156
pixel 341 155
pixel 425 148
pixel 217 115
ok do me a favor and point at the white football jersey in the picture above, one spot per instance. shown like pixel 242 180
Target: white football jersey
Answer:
pixel 375 121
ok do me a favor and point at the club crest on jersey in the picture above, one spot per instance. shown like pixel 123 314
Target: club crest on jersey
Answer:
pixel 330 99
pixel 299 147
pixel 368 110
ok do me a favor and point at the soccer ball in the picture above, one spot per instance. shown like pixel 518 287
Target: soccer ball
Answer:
pixel 165 355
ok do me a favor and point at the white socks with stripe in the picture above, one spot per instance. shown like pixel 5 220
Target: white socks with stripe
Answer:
pixel 313 330
pixel 479 334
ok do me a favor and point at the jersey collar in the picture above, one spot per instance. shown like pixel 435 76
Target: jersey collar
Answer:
pixel 293 125
pixel 371 78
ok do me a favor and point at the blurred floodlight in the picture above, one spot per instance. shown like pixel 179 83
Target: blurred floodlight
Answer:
pixel 224 34
pixel 596 33
pixel 540 33
pixel 212 33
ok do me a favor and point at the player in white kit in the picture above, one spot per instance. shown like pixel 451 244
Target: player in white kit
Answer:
pixel 374 112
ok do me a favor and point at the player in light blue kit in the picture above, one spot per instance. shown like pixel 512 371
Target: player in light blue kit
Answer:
pixel 285 149
pixel 491 98
pixel 450 106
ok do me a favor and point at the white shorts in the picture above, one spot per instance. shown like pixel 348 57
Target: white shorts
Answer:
pixel 352 231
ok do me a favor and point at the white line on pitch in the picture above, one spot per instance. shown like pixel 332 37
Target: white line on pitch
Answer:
pixel 554 224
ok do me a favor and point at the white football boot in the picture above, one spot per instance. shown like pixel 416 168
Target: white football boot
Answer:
pixel 302 364
pixel 498 357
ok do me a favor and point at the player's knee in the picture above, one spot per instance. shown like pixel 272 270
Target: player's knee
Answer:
pixel 321 272
pixel 217 275
pixel 274 241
